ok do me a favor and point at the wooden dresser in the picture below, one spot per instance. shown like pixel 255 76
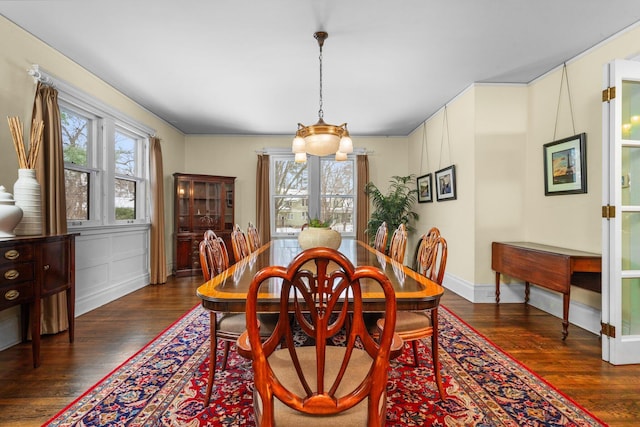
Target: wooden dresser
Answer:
pixel 34 267
pixel 550 267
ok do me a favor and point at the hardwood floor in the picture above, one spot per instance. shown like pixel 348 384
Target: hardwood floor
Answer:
pixel 109 335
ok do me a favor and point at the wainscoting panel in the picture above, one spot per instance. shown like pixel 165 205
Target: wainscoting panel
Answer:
pixel 110 262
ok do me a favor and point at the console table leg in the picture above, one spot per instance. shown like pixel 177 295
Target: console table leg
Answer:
pixel 497 287
pixel 527 290
pixel 565 315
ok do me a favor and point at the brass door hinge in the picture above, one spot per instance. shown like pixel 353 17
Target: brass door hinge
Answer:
pixel 608 212
pixel 607 330
pixel 608 94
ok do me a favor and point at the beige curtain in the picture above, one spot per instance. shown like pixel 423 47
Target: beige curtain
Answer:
pixel 50 175
pixel 157 247
pixel 362 210
pixel 263 218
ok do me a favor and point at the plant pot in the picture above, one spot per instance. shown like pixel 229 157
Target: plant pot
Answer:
pixel 312 237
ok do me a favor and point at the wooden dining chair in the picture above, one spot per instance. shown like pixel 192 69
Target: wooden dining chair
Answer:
pixel 398 244
pixel 413 326
pixel 380 242
pixel 314 383
pixel 253 237
pixel 214 259
pixel 239 243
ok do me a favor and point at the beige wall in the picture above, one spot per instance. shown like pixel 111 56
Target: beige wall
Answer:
pixel 236 156
pixel 19 51
pixel 497 138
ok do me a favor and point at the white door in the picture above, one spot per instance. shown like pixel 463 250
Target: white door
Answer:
pixel 621 213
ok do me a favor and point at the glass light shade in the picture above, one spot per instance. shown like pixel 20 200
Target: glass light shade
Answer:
pixel 298 145
pixel 301 157
pixel 340 156
pixel 322 144
pixel 346 145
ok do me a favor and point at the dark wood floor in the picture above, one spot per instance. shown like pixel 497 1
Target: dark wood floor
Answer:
pixel 109 335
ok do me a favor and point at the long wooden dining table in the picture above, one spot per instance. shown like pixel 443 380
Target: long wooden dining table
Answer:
pixel 227 292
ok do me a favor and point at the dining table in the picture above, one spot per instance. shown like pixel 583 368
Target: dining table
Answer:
pixel 227 291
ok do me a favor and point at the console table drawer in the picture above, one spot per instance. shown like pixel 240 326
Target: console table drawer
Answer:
pixel 15 253
pixel 16 273
pixel 16 294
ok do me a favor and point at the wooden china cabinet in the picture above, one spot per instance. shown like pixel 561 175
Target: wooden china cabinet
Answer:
pixel 202 202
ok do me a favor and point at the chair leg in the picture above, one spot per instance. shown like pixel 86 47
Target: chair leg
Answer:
pixel 212 356
pixel 434 353
pixel 225 355
pixel 414 344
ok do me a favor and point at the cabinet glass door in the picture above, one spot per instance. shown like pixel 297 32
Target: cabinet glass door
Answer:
pixel 621 232
pixel 184 195
pixel 228 207
pixel 206 206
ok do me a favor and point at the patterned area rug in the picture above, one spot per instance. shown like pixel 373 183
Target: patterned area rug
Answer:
pixel 164 385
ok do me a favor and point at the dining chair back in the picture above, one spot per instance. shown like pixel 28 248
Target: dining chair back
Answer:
pixel 380 242
pixel 253 237
pixel 412 326
pixel 214 259
pixel 239 243
pixel 432 256
pixel 321 287
pixel 398 244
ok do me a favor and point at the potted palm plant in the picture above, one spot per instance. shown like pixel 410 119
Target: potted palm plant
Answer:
pixel 395 207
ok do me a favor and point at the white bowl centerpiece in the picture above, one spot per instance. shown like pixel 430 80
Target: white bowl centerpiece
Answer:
pixel 319 233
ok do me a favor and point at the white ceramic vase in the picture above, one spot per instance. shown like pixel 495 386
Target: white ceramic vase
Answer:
pixel 10 214
pixel 26 193
pixel 312 237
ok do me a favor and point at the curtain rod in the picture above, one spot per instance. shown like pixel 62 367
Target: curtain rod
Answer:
pixel 39 76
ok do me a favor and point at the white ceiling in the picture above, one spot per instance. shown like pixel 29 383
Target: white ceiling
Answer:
pixel 251 67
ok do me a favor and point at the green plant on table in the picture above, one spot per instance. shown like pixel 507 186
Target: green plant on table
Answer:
pixel 318 223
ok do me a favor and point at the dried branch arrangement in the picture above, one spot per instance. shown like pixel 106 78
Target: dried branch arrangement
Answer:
pixel 26 160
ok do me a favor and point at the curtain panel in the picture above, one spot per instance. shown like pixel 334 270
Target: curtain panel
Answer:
pixel 158 255
pixel 50 175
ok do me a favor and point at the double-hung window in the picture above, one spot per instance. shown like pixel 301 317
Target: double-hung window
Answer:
pixel 106 166
pixel 320 188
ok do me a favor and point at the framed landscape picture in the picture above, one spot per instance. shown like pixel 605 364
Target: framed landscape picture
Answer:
pixel 565 163
pixel 446 184
pixel 424 189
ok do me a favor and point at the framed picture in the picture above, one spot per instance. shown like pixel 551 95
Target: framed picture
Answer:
pixel 424 189
pixel 565 166
pixel 446 184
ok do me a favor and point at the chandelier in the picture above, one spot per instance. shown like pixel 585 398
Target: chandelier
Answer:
pixel 321 139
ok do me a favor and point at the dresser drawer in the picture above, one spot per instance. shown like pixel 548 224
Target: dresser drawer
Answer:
pixel 13 294
pixel 16 273
pixel 10 254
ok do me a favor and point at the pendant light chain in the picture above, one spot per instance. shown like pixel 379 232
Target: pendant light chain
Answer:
pixel 320 112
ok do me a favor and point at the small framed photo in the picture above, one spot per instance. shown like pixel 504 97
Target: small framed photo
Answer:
pixel 446 184
pixel 424 189
pixel 565 166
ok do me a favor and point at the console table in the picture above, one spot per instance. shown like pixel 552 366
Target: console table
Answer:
pixel 34 267
pixel 550 267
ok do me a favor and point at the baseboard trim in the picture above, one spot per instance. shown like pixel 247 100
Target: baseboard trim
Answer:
pixel 111 293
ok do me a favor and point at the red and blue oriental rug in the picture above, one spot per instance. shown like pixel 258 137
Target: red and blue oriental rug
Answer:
pixel 164 385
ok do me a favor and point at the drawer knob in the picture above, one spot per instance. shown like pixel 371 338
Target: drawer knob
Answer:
pixel 46 266
pixel 12 294
pixel 11 274
pixel 11 254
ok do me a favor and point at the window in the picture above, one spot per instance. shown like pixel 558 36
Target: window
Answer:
pixel 106 165
pixel 320 188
